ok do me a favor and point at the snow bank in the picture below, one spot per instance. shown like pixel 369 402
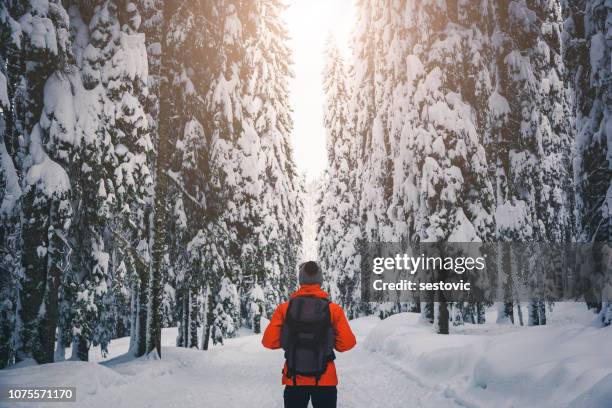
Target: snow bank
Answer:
pixel 600 395
pixel 406 342
pixel 225 376
pixel 93 381
pixel 544 366
pixel 561 365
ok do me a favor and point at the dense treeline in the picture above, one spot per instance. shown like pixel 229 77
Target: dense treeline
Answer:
pixel 147 179
pixel 146 174
pixel 467 121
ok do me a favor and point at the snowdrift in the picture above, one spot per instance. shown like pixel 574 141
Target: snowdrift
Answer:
pixel 566 364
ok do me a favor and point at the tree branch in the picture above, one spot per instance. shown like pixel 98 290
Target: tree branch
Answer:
pixel 137 258
pixel 185 192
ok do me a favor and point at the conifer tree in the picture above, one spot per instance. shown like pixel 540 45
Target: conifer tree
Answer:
pixel 439 189
pixel 42 47
pixel 111 235
pixel 276 216
pixel 338 229
pixel 10 192
pixel 588 54
pixel 534 191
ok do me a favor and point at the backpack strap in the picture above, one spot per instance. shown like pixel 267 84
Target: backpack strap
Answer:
pixel 291 374
pixel 332 356
pixel 288 321
pixel 288 312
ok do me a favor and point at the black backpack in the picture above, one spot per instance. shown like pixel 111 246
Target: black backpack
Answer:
pixel 308 337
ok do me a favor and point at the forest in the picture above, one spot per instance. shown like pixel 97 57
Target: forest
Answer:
pixel 467 121
pixel 147 177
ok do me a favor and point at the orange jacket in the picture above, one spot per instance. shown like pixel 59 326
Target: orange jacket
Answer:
pixel 345 339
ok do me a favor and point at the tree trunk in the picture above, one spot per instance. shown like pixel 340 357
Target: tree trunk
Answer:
pixel 533 313
pixel 48 325
pixel 427 312
pixel 141 344
pixel 469 312
pixel 457 310
pixel 506 312
pixel 186 316
pixel 209 321
pixel 443 316
pixel 160 196
pixel 605 314
pixel 257 319
pixel 509 311
pixel 193 320
pixel 81 348
pixel 34 280
pixel 542 312
pixel 134 317
pixel 480 313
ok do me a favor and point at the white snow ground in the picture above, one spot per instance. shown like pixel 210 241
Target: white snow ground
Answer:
pixel 397 363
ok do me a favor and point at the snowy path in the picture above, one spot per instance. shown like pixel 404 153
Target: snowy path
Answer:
pixel 239 374
pixel 367 380
pixel 404 364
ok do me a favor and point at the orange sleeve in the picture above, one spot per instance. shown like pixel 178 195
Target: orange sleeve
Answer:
pixel 272 336
pixel 345 339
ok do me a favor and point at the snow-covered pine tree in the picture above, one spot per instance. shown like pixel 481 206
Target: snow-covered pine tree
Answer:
pixel 440 189
pixel 47 212
pixel 371 131
pixel 256 307
pixel 226 204
pixel 188 214
pixel 338 229
pixel 133 148
pixel 10 270
pixel 227 311
pixel 511 216
pixel 477 90
pixel 111 237
pixel 205 254
pixel 531 110
pixel 310 244
pixel 62 123
pixel 10 192
pixel 152 14
pixel 188 56
pixel 362 104
pixel 159 19
pixel 588 53
pixel 276 213
pixel 163 129
pixel 36 45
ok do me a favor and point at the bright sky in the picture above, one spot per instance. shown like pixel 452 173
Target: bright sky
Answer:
pixel 309 23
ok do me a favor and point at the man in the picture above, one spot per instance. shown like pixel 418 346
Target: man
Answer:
pixel 309 328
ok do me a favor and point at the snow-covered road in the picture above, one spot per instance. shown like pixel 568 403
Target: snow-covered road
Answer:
pixel 239 374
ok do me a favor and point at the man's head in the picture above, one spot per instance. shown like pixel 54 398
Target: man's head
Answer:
pixel 310 273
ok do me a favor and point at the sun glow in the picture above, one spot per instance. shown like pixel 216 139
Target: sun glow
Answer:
pixel 309 23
